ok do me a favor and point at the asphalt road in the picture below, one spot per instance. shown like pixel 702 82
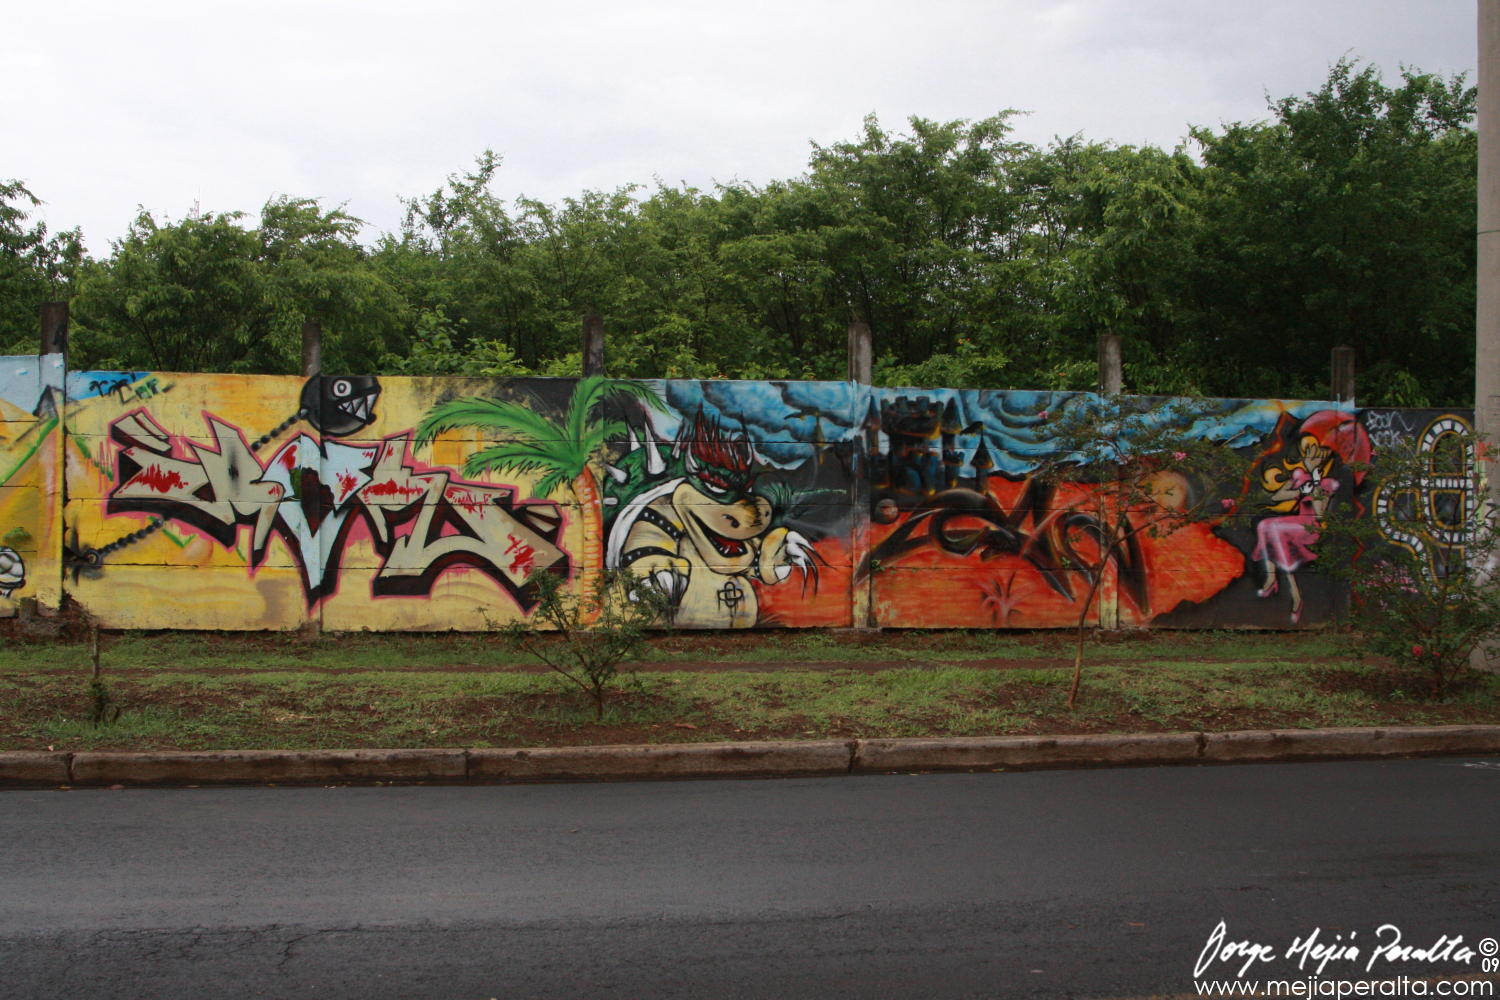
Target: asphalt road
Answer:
pixel 1050 884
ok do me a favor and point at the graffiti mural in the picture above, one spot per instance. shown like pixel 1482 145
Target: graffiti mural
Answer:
pixel 698 521
pixel 179 505
pixel 697 510
pixel 963 533
pixel 31 393
pixel 1445 493
pixel 1299 477
pixel 215 488
pixel 266 502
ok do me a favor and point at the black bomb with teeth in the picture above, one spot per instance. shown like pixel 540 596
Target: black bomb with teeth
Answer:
pixel 337 405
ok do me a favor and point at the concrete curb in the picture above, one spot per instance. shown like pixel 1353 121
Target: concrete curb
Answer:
pixel 785 758
pixel 782 758
pixel 1014 753
pixel 25 768
pixel 265 767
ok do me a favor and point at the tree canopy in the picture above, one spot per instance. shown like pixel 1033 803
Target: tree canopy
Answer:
pixel 1229 266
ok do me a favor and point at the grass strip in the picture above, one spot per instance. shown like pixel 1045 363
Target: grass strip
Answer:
pixel 275 705
pixel 240 651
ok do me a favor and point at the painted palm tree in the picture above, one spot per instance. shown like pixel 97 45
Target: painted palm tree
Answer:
pixel 533 442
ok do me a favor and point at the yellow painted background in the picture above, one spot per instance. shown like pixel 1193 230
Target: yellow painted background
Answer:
pixel 179 577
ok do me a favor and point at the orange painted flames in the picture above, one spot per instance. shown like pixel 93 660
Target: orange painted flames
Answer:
pixel 933 588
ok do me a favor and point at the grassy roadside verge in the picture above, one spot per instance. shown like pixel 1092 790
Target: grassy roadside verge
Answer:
pixel 215 652
pixel 305 707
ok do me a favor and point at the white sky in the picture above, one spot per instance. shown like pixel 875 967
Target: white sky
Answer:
pixel 108 105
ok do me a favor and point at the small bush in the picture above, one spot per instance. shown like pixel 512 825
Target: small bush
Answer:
pixel 586 636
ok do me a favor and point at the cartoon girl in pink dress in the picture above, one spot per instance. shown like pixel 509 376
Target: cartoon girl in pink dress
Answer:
pixel 1303 489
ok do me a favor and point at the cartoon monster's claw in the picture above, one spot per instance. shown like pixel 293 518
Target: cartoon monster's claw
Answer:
pixel 671 583
pixel 799 551
pixel 617 474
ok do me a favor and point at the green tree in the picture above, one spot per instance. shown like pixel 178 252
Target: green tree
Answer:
pixel 209 294
pixel 586 633
pixel 34 268
pixel 435 350
pixel 1348 220
pixel 1421 570
pixel 1345 218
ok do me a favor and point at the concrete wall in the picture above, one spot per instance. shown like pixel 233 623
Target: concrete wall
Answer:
pixel 260 502
pixel 31 481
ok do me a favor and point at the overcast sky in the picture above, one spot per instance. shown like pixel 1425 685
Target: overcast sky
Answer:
pixel 111 105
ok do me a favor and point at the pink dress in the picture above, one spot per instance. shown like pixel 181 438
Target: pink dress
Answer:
pixel 1284 540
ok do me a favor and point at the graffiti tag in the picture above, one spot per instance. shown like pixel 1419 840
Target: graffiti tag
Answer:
pixel 312 494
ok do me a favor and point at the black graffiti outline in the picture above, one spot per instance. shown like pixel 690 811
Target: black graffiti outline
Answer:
pixel 1047 546
pixel 317 502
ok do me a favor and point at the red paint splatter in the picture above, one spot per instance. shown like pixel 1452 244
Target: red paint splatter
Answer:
pixel 524 559
pixel 162 482
pixel 289 457
pixel 346 483
pixel 468 501
pixel 391 488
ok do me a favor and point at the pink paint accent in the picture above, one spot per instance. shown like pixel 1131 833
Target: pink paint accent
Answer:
pixel 346 483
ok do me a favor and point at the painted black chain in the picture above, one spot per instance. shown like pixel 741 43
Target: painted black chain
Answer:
pixel 94 557
pixel 134 536
pixel 266 439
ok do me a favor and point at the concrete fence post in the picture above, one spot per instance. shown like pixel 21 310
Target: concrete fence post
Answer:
pixel 1487 318
pixel 1341 367
pixel 312 348
pixel 1111 383
pixel 593 344
pixel 1111 371
pixel 1487 311
pixel 54 328
pixel 861 352
pixel 862 614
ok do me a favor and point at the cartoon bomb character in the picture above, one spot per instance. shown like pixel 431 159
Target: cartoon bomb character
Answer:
pixel 335 405
pixel 338 405
pixel 691 522
pixel 12 571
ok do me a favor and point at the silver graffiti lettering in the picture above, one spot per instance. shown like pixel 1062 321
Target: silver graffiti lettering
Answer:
pixel 311 494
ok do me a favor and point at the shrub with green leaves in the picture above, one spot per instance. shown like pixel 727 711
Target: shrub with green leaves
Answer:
pixel 585 636
pixel 1421 563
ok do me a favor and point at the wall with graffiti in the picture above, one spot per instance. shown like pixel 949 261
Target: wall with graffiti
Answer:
pixel 31 482
pixel 267 502
pixel 216 501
